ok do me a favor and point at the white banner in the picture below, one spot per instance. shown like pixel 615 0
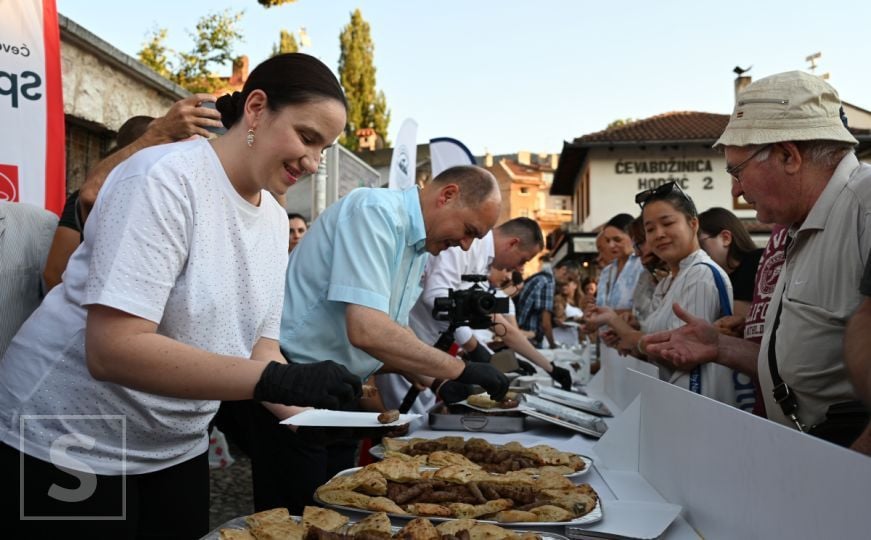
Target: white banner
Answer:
pixel 403 164
pixel 32 146
pixel 445 152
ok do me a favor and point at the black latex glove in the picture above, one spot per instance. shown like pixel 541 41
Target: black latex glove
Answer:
pixel 561 376
pixel 525 368
pixel 479 354
pixel 325 385
pixel 452 392
pixel 487 377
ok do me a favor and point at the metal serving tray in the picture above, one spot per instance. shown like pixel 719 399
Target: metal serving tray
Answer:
pixel 459 418
pixel 572 399
pixel 564 416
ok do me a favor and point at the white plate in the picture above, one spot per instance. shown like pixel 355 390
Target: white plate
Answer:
pixel 592 516
pixel 466 403
pixel 328 418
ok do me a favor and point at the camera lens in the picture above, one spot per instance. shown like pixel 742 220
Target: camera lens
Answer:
pixel 485 304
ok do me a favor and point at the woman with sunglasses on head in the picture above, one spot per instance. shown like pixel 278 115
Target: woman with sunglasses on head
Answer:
pixel 726 240
pixel 694 281
pixel 171 304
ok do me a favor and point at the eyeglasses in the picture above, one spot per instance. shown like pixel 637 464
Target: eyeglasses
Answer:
pixel 735 171
pixel 661 192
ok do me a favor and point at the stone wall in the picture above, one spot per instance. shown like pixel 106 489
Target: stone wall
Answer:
pixel 98 92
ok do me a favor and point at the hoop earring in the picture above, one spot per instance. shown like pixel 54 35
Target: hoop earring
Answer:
pixel 249 139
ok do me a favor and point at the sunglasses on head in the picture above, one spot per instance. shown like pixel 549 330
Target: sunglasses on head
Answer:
pixel 662 192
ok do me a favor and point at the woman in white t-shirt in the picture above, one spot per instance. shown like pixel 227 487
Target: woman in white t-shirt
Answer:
pixel 172 303
pixel 671 227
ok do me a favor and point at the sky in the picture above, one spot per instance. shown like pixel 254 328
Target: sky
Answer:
pixel 510 75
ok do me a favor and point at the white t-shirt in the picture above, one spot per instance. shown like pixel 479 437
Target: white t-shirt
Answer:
pixel 695 290
pixel 171 241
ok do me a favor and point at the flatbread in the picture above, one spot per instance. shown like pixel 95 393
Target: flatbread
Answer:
pixel 322 518
pixel 444 458
pixel 287 530
pixel 276 515
pixel 429 509
pixel 374 523
pixel 418 529
pixel 344 497
pixel 383 504
pixel 454 526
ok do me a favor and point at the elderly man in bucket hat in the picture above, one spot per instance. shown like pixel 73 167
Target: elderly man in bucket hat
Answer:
pixel 791 156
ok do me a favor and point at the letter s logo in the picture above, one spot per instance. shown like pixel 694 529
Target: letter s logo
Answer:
pixel 60 458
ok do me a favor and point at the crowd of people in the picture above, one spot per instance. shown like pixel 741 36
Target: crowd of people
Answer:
pixel 179 294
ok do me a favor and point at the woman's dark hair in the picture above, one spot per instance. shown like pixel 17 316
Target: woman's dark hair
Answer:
pixel 620 221
pixel 636 231
pixel 286 79
pixel 716 220
pixel 679 200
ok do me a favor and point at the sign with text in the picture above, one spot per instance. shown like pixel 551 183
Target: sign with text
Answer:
pixel 31 105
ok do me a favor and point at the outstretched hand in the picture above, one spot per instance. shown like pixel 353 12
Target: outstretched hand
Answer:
pixel 686 347
pixel 731 325
pixel 596 316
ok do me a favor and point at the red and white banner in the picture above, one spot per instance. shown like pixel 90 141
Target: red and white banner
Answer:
pixel 32 149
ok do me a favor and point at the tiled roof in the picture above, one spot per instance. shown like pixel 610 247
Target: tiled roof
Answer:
pixel 519 169
pixel 670 126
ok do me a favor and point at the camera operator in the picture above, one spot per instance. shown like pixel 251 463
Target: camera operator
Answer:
pixel 507 247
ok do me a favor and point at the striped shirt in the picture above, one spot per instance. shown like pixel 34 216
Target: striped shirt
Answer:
pixel 694 289
pixel 26 232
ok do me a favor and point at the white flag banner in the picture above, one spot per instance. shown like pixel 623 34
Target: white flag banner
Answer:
pixel 32 146
pixel 403 164
pixel 445 152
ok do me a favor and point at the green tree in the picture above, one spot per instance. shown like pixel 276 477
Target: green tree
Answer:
pixel 214 39
pixel 366 106
pixel 154 53
pixel 620 122
pixel 286 44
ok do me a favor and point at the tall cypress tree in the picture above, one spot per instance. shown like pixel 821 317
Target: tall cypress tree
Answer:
pixel 286 44
pixel 367 107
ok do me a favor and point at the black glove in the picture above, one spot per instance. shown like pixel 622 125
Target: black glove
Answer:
pixel 452 391
pixel 479 354
pixel 325 385
pixel 525 368
pixel 486 376
pixel 561 376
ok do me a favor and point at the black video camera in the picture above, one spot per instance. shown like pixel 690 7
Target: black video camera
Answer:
pixel 470 307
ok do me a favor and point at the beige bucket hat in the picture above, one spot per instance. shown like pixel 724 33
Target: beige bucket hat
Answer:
pixel 791 106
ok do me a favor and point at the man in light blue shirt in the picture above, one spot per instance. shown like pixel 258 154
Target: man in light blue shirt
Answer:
pixel 357 273
pixel 351 283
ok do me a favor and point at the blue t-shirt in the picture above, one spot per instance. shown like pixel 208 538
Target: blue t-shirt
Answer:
pixel 366 249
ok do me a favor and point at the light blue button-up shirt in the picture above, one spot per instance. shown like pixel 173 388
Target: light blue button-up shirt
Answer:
pixel 366 249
